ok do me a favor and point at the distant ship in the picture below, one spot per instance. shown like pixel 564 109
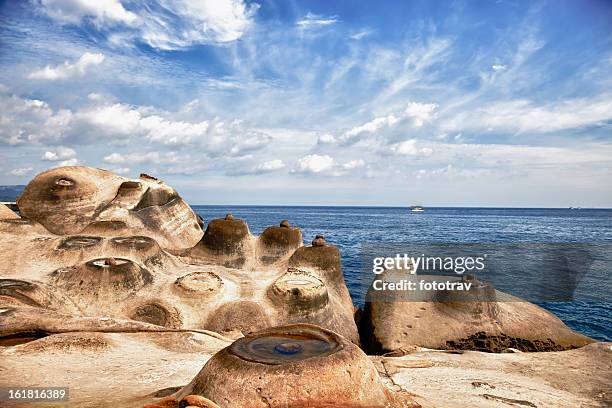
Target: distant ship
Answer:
pixel 416 209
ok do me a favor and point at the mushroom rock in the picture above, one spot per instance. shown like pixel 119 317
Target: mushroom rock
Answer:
pixel 480 318
pixel 276 242
pixel 225 236
pixel 300 296
pixel 66 199
pixel 6 213
pixel 82 200
pixel 226 242
pixel 298 365
pixel 324 262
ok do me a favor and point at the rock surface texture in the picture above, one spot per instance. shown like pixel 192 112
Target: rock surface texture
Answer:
pixel 482 319
pixel 113 287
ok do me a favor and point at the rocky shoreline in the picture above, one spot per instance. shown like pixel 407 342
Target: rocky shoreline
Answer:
pixel 116 289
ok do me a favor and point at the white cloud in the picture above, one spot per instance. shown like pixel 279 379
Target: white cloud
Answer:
pixel 417 113
pixel 149 157
pixel 498 67
pixel 161 24
pixel 120 170
pixel 60 153
pixel 407 148
pixel 326 138
pixel 325 165
pixel 101 12
pixel 68 70
pixel 353 164
pixel 271 165
pixel 20 171
pixel 312 20
pixel 420 112
pixel 314 163
pixel 361 34
pixel 69 162
pixel 521 115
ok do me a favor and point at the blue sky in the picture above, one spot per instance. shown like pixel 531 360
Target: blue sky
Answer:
pixel 455 103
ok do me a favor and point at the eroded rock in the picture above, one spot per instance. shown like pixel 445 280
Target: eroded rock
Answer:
pixel 297 366
pixel 479 319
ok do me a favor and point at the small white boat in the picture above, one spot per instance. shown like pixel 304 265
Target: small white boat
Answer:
pixel 416 209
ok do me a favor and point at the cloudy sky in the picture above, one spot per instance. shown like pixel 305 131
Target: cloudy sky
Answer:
pixel 453 103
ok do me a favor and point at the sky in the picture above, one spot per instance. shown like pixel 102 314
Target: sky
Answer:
pixel 389 103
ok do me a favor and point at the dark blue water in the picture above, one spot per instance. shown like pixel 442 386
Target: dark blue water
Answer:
pixel 349 227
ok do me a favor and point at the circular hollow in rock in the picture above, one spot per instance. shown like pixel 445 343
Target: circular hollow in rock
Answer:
pixel 298 291
pixel 300 365
pixel 200 282
pixel 79 242
pixel 287 346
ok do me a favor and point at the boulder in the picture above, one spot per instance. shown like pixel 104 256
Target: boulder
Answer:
pixel 481 319
pixel 83 200
pixel 298 366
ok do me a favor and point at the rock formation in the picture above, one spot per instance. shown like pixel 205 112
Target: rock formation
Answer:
pixel 297 366
pixel 132 249
pixel 109 283
pixel 83 200
pixel 481 319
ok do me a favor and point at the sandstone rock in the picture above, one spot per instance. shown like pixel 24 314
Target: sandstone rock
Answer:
pixel 6 213
pixel 83 200
pixel 298 366
pixel 480 319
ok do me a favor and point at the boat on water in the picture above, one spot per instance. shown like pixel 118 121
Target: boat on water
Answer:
pixel 417 209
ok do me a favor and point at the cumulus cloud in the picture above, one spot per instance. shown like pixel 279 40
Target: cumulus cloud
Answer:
pixel 416 113
pixel 160 24
pixel 34 121
pixel 22 171
pixel 60 153
pixel 314 163
pixel 99 12
pixel 312 20
pixel 407 148
pixel 325 164
pixel 326 138
pixel 67 69
pixel 30 120
pixel 271 165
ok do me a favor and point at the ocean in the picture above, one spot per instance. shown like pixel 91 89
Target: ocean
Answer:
pixel 352 227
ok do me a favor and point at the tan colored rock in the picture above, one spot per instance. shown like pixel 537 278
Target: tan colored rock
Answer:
pixel 6 213
pixel 297 366
pixel 66 199
pixel 481 319
pixel 83 200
